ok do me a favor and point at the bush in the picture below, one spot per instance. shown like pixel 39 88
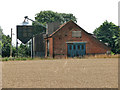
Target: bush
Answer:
pixel 112 53
pixel 23 58
pixel 5 59
pixel 17 59
pixel 11 58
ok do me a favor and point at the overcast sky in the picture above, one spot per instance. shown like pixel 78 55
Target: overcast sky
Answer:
pixel 90 14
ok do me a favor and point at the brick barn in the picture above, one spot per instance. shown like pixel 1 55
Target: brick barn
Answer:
pixel 70 40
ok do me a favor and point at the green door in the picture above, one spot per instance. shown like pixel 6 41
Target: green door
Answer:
pixel 76 49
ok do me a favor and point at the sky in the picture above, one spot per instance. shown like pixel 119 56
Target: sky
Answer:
pixel 90 14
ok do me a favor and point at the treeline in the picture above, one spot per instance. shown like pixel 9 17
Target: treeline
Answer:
pixel 109 34
pixel 23 50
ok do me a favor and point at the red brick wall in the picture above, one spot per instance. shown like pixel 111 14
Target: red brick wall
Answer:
pixel 46 47
pixel 51 47
pixel 59 46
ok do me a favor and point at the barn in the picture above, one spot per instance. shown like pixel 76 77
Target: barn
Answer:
pixel 70 40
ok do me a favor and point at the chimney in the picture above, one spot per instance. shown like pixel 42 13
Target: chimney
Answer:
pixel 51 27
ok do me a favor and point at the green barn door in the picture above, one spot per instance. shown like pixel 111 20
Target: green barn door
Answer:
pixel 76 49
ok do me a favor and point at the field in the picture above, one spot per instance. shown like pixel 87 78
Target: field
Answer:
pixel 0 75
pixel 61 73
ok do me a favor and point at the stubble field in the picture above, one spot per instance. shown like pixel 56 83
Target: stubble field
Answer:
pixel 61 73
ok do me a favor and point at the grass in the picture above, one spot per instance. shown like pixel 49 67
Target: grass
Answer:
pixel 42 58
pixel 38 58
pixel 24 58
pixel 16 59
pixel 103 56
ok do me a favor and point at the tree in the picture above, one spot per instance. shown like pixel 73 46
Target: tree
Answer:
pixel 24 50
pixel 5 45
pixel 49 16
pixel 1 41
pixel 6 41
pixel 108 33
pixel 117 42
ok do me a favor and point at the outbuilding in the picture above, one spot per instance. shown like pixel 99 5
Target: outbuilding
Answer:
pixel 70 40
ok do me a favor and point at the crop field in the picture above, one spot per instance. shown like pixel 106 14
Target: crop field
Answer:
pixel 61 73
pixel 0 75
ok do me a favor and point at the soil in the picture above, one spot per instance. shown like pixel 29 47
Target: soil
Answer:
pixel 61 73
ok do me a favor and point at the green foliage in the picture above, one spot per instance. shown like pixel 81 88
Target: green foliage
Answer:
pixel 5 44
pixel 6 41
pixel 5 59
pixel 14 51
pixel 1 33
pixel 112 53
pixel 49 16
pixel 18 59
pixel 117 42
pixel 1 42
pixel 1 48
pixel 15 59
pixel 24 50
pixel 109 33
pixel 39 29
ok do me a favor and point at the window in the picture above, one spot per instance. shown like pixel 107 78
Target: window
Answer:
pixel 82 47
pixel 59 38
pixel 74 47
pixel 47 47
pixel 78 46
pixel 65 34
pixel 76 33
pixel 70 47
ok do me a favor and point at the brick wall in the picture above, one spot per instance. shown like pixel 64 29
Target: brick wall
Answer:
pixel 39 46
pixel 58 45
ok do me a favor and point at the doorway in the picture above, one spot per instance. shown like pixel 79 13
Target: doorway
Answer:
pixel 76 49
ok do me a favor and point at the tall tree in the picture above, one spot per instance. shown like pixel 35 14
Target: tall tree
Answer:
pixel 49 16
pixel 6 41
pixel 24 50
pixel 117 42
pixel 1 41
pixel 5 44
pixel 108 33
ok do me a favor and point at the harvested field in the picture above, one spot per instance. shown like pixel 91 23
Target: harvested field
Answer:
pixel 0 75
pixel 61 73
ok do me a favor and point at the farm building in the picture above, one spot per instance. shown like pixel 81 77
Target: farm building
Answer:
pixel 70 40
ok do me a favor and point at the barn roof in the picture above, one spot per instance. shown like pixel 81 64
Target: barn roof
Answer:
pixel 91 35
pixel 58 29
pixel 61 26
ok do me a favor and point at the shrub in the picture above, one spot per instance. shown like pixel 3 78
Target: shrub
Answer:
pixel 5 59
